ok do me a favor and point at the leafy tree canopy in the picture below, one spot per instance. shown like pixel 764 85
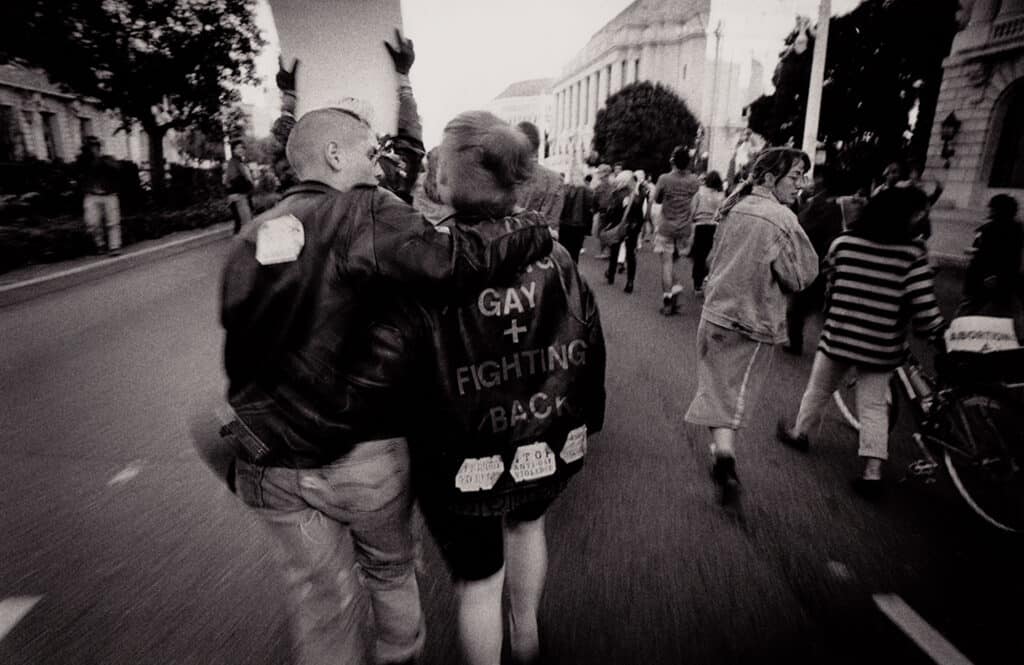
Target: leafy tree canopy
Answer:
pixel 162 63
pixel 884 59
pixel 640 125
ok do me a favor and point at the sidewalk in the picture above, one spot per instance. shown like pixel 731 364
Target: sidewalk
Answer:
pixel 33 281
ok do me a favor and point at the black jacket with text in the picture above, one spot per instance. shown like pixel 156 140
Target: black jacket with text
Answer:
pixel 294 327
pixel 504 388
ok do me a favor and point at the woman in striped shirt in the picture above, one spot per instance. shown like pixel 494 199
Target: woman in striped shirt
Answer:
pixel 878 280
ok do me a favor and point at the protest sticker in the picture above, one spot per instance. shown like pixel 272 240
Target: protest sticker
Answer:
pixel 532 462
pixel 575 445
pixel 981 334
pixel 480 473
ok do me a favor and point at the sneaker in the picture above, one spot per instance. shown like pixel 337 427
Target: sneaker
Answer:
pixel 602 255
pixel 785 436
pixel 114 252
pixel 723 472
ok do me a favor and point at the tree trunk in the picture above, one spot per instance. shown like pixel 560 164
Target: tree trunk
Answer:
pixel 156 161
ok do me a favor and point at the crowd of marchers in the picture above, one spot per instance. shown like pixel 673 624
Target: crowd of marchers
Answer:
pixel 407 329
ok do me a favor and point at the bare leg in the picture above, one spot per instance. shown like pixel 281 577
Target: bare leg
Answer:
pixel 526 556
pixel 479 616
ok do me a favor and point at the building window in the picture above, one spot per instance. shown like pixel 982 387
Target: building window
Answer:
pixel 1008 134
pixel 636 70
pixel 51 136
pixel 11 144
pixel 84 129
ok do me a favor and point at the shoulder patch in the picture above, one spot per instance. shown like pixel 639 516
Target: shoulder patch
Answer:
pixel 279 240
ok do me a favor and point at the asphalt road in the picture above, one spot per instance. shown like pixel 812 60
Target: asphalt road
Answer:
pixel 124 549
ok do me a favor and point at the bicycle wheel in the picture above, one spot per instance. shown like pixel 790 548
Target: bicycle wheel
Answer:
pixel 846 401
pixel 982 452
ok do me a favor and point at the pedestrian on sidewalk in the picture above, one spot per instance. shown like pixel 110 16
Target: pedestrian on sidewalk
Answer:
pixel 625 220
pixel 760 255
pixel 704 208
pixel 822 221
pixel 674 193
pixel 101 207
pixel 239 183
pixel 878 278
pixel 491 449
pixel 992 284
pixel 329 485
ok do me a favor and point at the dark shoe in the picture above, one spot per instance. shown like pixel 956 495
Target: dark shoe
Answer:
pixel 723 472
pixel 629 287
pixel 666 306
pixel 673 304
pixel 785 436
pixel 609 276
pixel 871 490
pixel 622 268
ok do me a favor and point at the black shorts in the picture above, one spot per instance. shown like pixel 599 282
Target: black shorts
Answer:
pixel 473 546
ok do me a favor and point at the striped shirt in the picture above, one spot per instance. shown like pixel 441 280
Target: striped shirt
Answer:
pixel 875 290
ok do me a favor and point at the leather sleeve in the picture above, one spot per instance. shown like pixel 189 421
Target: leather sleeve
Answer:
pixel 449 262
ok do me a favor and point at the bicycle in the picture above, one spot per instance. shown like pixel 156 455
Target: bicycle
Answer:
pixel 967 414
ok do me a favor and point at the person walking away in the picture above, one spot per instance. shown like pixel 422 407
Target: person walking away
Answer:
pixel 992 282
pixel 101 207
pixel 822 221
pixel 703 210
pixel 878 277
pixel 544 192
pixel 239 183
pixel 603 187
pixel 674 192
pixel 645 189
pixel 577 217
pixel 760 254
pixel 625 220
pixel 297 287
pixel 491 453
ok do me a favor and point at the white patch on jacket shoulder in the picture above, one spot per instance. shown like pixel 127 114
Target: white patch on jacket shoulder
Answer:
pixel 575 445
pixel 279 240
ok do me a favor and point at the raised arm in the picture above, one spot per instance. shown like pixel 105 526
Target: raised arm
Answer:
pixel 448 261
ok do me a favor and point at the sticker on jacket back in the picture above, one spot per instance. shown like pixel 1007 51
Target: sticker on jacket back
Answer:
pixel 279 240
pixel 532 462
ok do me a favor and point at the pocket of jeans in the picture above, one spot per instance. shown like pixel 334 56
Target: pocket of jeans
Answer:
pixel 249 483
pixel 369 484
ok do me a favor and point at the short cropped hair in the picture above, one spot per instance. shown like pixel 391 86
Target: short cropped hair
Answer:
pixel 680 157
pixel 483 159
pixel 531 132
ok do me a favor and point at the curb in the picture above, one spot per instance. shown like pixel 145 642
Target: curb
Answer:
pixel 18 292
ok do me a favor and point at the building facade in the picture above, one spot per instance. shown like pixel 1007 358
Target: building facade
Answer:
pixel 980 151
pixel 527 101
pixel 679 43
pixel 39 119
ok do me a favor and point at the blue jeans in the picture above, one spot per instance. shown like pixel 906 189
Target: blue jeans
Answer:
pixel 342 528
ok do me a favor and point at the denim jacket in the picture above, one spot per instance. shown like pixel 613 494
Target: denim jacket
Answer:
pixel 760 255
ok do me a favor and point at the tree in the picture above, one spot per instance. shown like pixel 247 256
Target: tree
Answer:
pixel 640 125
pixel 884 59
pixel 165 64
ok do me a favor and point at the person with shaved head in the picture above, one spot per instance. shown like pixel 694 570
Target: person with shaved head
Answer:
pixel 332 487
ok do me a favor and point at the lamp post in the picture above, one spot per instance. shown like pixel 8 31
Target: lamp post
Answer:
pixel 810 139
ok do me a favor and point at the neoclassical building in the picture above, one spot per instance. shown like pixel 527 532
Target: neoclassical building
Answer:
pixel 977 142
pixel 526 101
pixel 678 43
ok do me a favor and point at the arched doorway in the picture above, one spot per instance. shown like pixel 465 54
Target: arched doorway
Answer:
pixel 1008 137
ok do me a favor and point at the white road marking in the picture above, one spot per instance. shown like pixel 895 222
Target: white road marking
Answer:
pixel 127 473
pixel 12 610
pixel 924 636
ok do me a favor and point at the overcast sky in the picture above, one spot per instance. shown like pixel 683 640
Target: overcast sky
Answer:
pixel 468 51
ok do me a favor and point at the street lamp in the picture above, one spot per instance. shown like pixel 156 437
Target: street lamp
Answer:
pixel 948 130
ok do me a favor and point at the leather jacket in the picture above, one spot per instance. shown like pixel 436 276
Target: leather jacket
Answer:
pixel 497 394
pixel 290 325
